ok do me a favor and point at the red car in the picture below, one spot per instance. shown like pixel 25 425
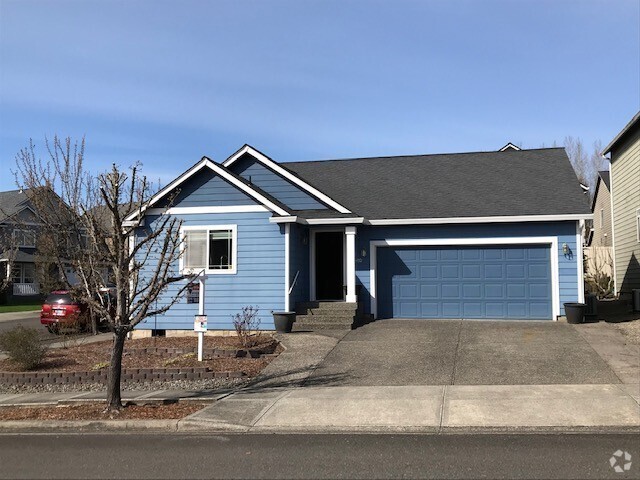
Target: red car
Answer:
pixel 61 310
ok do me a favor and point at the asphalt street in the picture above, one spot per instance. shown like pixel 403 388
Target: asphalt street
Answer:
pixel 161 456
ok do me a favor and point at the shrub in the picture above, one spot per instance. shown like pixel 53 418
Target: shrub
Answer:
pixel 247 325
pixel 23 347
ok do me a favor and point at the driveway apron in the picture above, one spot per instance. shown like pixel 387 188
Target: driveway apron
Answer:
pixel 463 352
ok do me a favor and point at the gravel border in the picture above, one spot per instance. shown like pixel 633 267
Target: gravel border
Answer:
pixel 207 384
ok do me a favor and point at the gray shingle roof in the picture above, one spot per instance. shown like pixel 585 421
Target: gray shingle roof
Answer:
pixel 478 184
pixel 11 202
pixel 604 175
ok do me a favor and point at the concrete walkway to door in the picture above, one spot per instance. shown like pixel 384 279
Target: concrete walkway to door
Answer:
pixel 463 352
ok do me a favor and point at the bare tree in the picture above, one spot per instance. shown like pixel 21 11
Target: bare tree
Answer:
pixel 89 238
pixel 586 164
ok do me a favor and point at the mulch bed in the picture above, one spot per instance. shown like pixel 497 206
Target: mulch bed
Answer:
pixel 141 353
pixel 95 411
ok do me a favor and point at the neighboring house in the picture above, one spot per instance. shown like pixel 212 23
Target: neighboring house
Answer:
pixel 19 225
pixel 486 235
pixel 624 152
pixel 599 252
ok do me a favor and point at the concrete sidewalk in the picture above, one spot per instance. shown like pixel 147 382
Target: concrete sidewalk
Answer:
pixel 447 408
pixel 381 409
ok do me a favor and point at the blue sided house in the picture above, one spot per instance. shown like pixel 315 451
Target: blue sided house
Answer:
pixel 483 235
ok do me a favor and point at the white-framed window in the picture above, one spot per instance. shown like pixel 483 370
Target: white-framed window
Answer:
pixel 602 218
pixel 23 273
pixel 24 238
pixel 212 248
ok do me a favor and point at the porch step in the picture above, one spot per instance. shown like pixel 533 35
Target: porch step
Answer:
pixel 304 327
pixel 325 318
pixel 316 308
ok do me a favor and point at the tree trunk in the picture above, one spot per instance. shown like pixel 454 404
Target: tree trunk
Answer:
pixel 114 399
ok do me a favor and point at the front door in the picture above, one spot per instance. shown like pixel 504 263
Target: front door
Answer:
pixel 329 265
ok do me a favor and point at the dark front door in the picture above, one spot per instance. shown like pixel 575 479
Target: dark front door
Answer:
pixel 329 266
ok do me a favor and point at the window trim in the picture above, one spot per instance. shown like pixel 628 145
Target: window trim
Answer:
pixel 20 243
pixel 208 228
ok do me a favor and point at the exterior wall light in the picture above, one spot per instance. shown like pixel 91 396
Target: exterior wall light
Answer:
pixel 363 252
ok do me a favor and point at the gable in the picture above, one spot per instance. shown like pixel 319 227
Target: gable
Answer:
pixel 206 189
pixel 272 183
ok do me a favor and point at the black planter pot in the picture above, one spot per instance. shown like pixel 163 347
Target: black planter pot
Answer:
pixel 283 321
pixel 575 312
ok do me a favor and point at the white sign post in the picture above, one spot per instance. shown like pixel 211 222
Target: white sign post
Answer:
pixel 200 322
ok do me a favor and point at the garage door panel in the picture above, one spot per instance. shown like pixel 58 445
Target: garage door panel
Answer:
pixel 468 282
pixel 450 290
pixel 493 272
pixel 472 290
pixel 472 254
pixel 429 291
pixel 451 310
pixel 471 272
pixel 428 272
pixel 494 290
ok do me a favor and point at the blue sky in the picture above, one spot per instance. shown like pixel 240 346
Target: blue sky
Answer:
pixel 165 83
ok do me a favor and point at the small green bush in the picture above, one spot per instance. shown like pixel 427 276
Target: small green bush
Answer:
pixel 23 347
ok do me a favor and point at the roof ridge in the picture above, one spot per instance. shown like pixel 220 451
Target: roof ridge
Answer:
pixel 509 152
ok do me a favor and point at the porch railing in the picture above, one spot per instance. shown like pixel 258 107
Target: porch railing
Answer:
pixel 24 289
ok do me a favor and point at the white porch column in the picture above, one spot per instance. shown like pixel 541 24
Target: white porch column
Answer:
pixel 350 234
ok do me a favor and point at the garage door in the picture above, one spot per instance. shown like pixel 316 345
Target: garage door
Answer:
pixel 465 282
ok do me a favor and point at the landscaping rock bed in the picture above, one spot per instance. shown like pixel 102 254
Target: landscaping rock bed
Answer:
pixel 95 411
pixel 163 362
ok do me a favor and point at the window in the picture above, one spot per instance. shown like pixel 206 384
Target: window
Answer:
pixel 23 273
pixel 638 225
pixel 602 218
pixel 29 273
pixel 24 238
pixel 212 249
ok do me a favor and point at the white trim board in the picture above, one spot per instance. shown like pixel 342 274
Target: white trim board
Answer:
pixel 318 221
pixel 212 209
pixel 551 241
pixel 274 166
pixel 287 266
pixel 218 170
pixel 500 219
pixel 580 260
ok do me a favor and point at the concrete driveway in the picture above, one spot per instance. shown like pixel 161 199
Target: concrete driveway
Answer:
pixel 459 352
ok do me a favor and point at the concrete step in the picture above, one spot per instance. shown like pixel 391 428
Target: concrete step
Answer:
pixel 319 326
pixel 326 306
pixel 310 320
pixel 325 311
pixel 326 314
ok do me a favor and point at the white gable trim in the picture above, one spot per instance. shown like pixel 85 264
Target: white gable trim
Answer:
pixel 551 241
pixel 509 146
pixel 218 170
pixel 267 162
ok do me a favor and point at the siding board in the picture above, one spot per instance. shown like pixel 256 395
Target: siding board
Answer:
pixel 276 186
pixel 625 185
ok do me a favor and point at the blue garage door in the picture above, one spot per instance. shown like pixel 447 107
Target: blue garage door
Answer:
pixel 465 282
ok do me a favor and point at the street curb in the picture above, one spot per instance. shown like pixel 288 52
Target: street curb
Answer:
pixel 179 426
pixel 88 425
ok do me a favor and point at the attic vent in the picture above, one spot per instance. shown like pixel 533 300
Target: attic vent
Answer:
pixel 509 146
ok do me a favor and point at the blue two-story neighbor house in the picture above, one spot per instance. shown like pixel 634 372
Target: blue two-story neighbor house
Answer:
pixel 482 235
